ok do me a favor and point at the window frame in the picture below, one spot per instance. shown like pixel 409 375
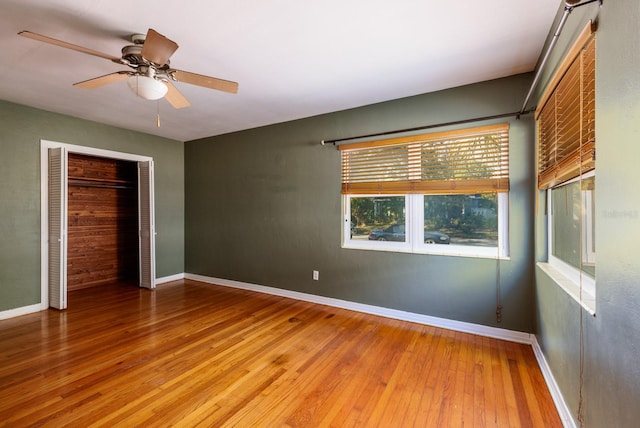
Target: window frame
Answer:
pixel 414 231
pixel 581 279
pixel 348 242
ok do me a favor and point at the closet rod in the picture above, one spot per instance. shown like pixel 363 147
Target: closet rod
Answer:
pixel 101 186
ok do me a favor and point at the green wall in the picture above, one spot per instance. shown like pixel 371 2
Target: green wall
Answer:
pixel 21 129
pixel 611 374
pixel 263 206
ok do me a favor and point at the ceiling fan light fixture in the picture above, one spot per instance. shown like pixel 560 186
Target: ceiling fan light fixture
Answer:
pixel 147 87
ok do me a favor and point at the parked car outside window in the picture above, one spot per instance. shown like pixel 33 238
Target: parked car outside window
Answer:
pixel 396 232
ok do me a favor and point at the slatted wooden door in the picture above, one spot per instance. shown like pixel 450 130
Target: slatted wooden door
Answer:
pixel 146 224
pixel 57 219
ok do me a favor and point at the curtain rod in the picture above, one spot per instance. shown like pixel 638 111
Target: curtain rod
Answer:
pixel 420 128
pixel 568 8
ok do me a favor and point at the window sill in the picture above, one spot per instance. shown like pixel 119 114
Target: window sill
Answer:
pixel 583 297
pixel 437 250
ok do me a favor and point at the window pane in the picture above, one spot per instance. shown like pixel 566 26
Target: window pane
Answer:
pixel 573 235
pixel 380 218
pixel 465 219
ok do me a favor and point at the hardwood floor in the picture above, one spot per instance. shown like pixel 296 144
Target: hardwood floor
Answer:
pixel 192 354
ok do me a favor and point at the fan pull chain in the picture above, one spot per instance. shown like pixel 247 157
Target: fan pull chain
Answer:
pixel 158 113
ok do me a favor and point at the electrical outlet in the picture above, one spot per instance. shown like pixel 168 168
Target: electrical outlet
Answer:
pixel 316 275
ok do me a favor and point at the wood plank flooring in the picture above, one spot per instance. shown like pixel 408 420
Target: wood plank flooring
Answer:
pixel 192 354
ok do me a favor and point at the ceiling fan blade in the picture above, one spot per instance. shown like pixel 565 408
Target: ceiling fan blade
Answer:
pixel 175 97
pixel 101 81
pixel 56 42
pixel 205 81
pixel 157 48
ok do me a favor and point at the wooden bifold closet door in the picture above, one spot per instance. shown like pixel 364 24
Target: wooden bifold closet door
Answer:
pixel 102 222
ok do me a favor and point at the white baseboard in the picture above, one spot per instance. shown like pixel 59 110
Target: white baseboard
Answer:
pixel 22 311
pixel 169 278
pixel 558 398
pixel 465 327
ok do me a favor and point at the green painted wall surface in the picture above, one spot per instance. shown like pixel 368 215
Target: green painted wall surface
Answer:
pixel 263 206
pixel 611 373
pixel 21 129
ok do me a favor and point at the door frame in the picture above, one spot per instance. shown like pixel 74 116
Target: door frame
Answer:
pixel 45 145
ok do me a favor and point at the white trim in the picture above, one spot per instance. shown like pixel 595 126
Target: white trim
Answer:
pixel 588 250
pixel 44 223
pixel 503 225
pixel 92 151
pixel 24 310
pixel 582 296
pixel 464 327
pixel 169 278
pixel 556 394
pixel 574 275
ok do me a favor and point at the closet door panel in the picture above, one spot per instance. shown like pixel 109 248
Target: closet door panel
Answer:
pixel 57 199
pixel 146 225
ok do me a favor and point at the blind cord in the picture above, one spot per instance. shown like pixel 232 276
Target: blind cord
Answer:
pixel 498 290
pixel 580 273
pixel 581 243
pixel 498 280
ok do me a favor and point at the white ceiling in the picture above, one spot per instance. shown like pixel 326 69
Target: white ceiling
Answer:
pixel 292 58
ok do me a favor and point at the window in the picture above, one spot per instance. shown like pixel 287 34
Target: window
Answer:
pixel 572 231
pixel 444 193
pixel 566 165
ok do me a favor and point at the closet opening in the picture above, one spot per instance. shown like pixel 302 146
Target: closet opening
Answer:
pixel 97 220
pixel 102 221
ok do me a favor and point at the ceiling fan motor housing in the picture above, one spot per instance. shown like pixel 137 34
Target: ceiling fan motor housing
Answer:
pixel 133 54
pixel 138 39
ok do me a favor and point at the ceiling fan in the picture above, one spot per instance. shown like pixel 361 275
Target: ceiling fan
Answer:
pixel 151 74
